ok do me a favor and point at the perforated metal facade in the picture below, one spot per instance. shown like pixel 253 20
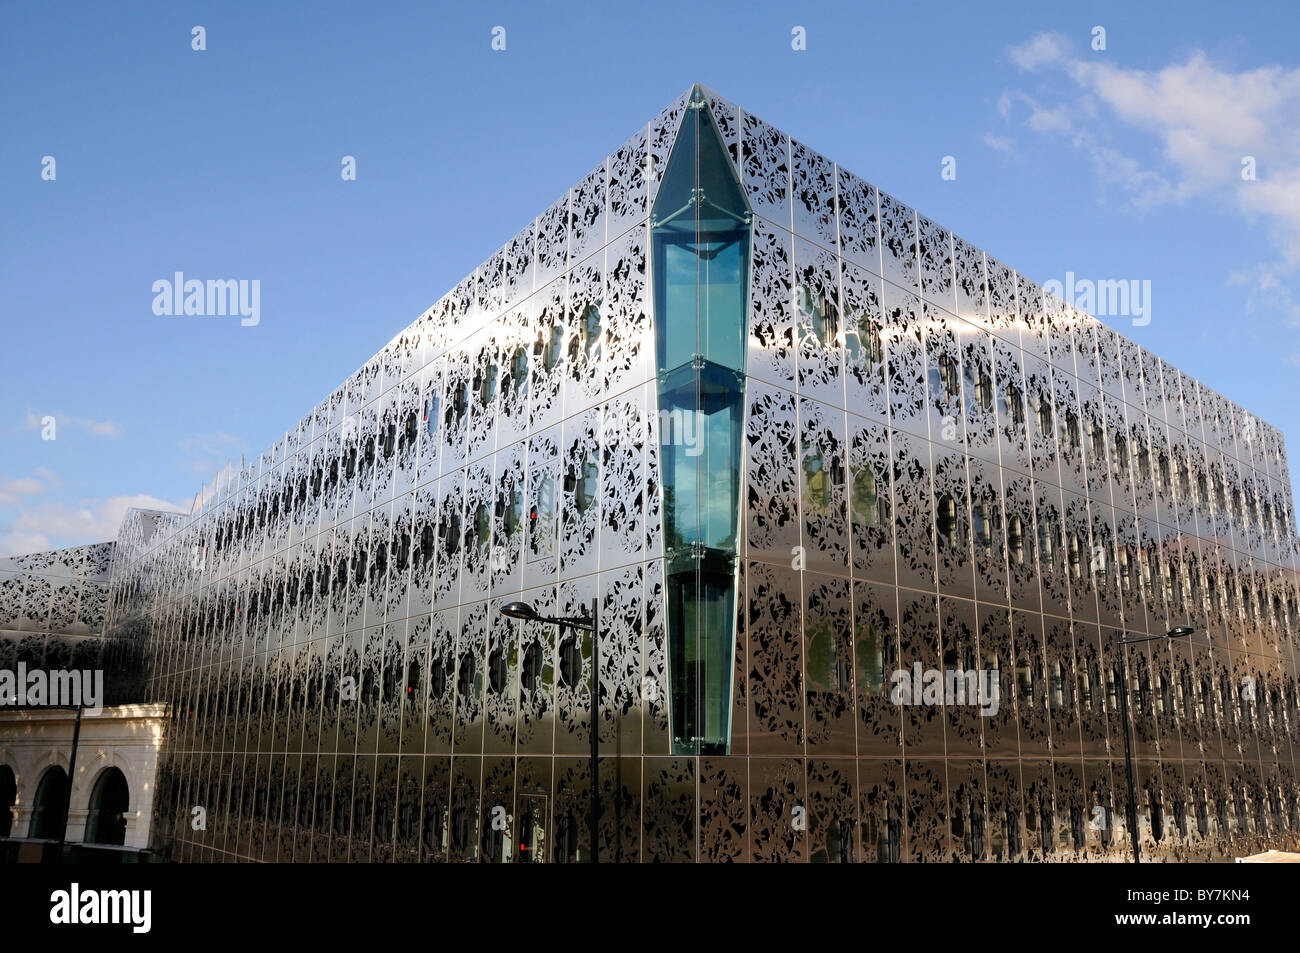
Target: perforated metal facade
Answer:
pixel 939 465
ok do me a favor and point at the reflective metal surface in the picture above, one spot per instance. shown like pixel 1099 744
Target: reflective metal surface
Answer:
pixel 1000 483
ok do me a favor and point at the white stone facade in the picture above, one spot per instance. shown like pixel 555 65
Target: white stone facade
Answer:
pixel 127 737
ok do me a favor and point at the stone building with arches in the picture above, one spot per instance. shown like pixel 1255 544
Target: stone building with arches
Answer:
pixel 51 619
pixel 111 800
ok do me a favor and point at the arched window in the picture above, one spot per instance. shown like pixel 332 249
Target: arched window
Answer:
pixel 570 661
pixel 109 802
pixel 1121 454
pixel 457 406
pixel 1016 539
pixel 498 671
pixel 481 527
pixel 1056 685
pixel 486 385
pixel 583 481
pixel 468 687
pixel 1046 540
pixel 984 390
pixel 1044 416
pixel 8 794
pixel 819 477
pixel 948 377
pixel 862 339
pixel 550 344
pixel 1070 438
pixel 1097 441
pixel 981 526
pixel 510 510
pixel 946 524
pixel 817 310
pixel 437 679
pixel 1142 457
pixel 431 415
pixel 826 672
pixel 450 531
pixel 589 329
pixel 50 808
pixel 1014 406
pixel 519 371
pixel 401 548
pixel 462 832
pixel 530 672
pixel 838 847
pixel 424 548
pixel 410 431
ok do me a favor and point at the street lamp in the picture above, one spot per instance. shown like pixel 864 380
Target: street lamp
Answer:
pixel 72 775
pixel 1120 642
pixel 587 623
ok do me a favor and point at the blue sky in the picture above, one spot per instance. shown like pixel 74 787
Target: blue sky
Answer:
pixel 225 163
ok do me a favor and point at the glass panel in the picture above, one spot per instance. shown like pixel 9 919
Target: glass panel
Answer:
pixel 701 236
pixel 701 606
pixel 701 231
pixel 702 416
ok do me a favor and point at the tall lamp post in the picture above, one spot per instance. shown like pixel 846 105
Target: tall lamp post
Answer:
pixel 526 613
pixel 1120 642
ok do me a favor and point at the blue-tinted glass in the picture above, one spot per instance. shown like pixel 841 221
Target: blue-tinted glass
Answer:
pixel 701 414
pixel 700 258
pixel 701 231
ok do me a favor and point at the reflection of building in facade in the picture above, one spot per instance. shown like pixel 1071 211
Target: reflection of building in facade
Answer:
pixel 794 437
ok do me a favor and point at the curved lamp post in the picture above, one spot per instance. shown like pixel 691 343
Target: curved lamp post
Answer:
pixel 1120 642
pixel 524 612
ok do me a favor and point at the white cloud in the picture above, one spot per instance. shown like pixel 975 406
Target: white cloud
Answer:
pixel 16 544
pixel 12 491
pixel 1200 120
pixel 1055 121
pixel 1266 292
pixel 1145 186
pixel 1205 119
pixel 1040 50
pixel 1000 143
pixel 54 525
pixel 42 523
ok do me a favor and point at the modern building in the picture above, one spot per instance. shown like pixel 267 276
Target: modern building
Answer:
pixel 795 439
